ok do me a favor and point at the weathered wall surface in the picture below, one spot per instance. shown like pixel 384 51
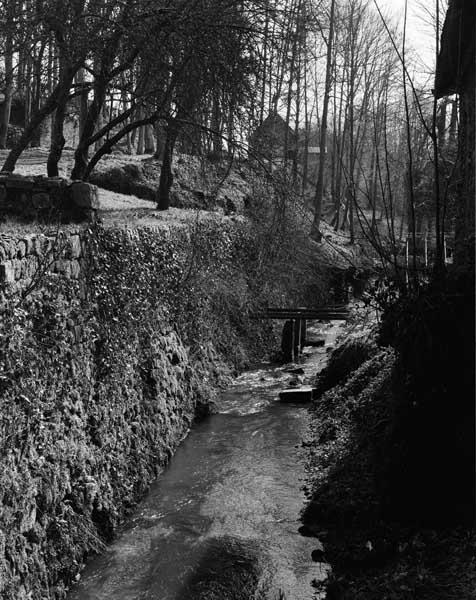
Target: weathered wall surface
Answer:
pixel 110 341
pixel 24 259
pixel 49 199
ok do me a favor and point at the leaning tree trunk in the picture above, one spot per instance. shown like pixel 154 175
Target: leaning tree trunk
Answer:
pixel 90 121
pixel 57 142
pixel 166 177
pixel 58 98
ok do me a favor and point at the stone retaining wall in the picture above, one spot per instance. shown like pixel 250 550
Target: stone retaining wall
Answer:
pixel 103 368
pixel 47 199
pixel 24 259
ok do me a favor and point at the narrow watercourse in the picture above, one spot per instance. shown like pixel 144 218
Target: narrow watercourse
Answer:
pixel 233 488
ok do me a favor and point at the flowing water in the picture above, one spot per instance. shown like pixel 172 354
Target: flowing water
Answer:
pixel 238 475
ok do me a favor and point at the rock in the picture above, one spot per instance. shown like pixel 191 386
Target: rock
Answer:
pixel 317 555
pixel 41 245
pixel 62 267
pixel 85 195
pixel 40 200
pixel 74 247
pixel 315 343
pixel 231 568
pixel 75 269
pixel 205 409
pixel 56 182
pixel 299 395
pixel 7 272
pixel 305 531
pixel 19 182
pixel 21 249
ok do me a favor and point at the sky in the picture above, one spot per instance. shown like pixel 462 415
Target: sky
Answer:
pixel 419 33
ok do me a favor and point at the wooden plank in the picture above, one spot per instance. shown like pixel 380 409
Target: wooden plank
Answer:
pixel 310 317
pixel 323 313
pixel 305 308
pixel 337 308
pixel 305 314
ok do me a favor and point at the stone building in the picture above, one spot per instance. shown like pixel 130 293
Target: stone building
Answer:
pixel 269 139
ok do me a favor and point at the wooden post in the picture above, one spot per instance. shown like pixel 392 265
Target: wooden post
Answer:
pixel 297 339
pixel 303 333
pixel 287 341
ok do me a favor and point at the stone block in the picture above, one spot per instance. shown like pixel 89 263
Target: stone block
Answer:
pixel 21 249
pixel 6 249
pixel 52 183
pixel 7 272
pixel 28 247
pixel 85 195
pixel 40 245
pixel 63 267
pixel 29 519
pixel 17 265
pixel 75 269
pixel 29 267
pixel 40 200
pixel 74 246
pixel 19 183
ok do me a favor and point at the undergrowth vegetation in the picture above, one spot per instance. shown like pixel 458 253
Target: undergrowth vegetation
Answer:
pixel 391 451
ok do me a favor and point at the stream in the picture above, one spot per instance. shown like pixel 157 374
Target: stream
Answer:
pixel 238 476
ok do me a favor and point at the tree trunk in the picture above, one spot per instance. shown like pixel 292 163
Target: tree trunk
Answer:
pixel 92 120
pixel 57 99
pixel 57 141
pixel 149 144
pixel 36 103
pixel 166 177
pixel 83 106
pixel 160 134
pixel 7 103
pixel 323 138
pixel 140 140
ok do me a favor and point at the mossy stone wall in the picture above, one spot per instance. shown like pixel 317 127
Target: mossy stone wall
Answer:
pixel 102 369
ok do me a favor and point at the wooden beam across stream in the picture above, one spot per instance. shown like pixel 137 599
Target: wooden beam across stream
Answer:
pixel 295 326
